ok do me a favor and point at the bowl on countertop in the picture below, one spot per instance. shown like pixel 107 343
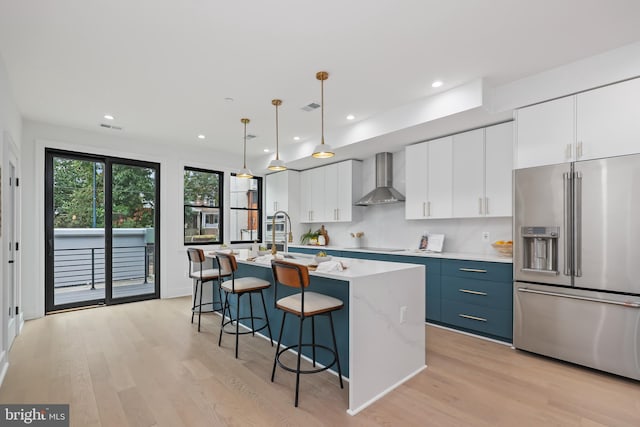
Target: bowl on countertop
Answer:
pixel 262 253
pixel 504 249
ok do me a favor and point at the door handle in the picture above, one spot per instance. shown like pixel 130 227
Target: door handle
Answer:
pixel 581 298
pixel 566 181
pixel 480 205
pixel 577 250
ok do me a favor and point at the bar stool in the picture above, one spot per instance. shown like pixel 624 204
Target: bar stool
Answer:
pixel 304 304
pixel 245 285
pixel 201 276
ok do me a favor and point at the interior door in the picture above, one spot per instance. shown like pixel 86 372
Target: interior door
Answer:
pixel 11 216
pixel 607 228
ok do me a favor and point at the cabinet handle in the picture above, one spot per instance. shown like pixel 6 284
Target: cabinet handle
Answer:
pixel 480 205
pixel 486 206
pixel 424 209
pixel 579 150
pixel 472 270
pixel 429 208
pixel 468 291
pixel 466 316
pixel 337 214
pixel 567 152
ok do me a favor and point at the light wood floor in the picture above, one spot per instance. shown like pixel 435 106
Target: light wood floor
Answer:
pixel 144 364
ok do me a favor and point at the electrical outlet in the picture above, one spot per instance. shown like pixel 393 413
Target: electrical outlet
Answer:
pixel 485 236
pixel 403 314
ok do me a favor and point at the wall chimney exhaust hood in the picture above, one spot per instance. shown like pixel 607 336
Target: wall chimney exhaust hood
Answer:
pixel 384 192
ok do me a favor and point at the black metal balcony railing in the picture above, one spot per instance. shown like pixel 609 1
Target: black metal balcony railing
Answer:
pixel 85 266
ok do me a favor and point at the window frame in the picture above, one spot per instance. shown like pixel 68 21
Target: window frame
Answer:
pixel 258 210
pixel 220 206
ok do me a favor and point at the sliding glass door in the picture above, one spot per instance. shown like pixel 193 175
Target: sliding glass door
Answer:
pixel 101 225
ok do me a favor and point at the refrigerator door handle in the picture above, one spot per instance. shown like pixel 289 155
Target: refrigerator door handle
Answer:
pixel 566 181
pixel 578 297
pixel 577 249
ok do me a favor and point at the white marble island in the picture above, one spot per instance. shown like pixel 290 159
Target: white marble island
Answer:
pixel 383 330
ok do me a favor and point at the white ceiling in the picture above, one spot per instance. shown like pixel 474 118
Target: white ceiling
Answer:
pixel 164 68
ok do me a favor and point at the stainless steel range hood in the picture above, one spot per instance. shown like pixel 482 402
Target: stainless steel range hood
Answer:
pixel 384 192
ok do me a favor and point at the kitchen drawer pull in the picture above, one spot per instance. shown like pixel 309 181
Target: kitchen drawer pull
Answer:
pixel 472 270
pixel 467 291
pixel 533 270
pixel 578 297
pixel 466 316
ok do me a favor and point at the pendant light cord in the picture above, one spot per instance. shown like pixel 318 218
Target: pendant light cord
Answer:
pixel 322 107
pixel 244 155
pixel 277 142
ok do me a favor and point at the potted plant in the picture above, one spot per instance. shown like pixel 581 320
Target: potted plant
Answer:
pixel 309 238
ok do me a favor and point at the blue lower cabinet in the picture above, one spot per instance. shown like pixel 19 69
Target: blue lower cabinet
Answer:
pixel 494 322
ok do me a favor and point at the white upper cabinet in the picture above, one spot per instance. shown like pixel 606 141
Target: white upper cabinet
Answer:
pixel 281 192
pixel 440 178
pixel 416 181
pixel 328 192
pixel 608 121
pixel 429 179
pixel 482 168
pixel 590 125
pixel 468 174
pixel 545 133
pixel 498 156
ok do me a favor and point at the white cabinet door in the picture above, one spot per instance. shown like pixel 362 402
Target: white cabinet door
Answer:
pixel 608 121
pixel 317 195
pixel 331 190
pixel 305 196
pixel 545 133
pixel 344 207
pixel 416 181
pixel 276 192
pixel 498 169
pixel 468 174
pixel 440 178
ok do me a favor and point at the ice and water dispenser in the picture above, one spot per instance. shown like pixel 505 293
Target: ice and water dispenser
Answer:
pixel 540 249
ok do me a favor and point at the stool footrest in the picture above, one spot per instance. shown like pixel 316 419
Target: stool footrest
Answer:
pixel 308 371
pixel 250 331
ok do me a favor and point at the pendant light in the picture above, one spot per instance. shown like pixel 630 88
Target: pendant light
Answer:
pixel 322 150
pixel 277 164
pixel 245 172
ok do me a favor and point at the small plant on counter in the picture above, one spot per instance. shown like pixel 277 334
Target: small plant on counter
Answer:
pixel 309 238
pixel 262 248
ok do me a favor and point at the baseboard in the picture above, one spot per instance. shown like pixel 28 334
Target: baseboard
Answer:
pixel 20 323
pixel 469 334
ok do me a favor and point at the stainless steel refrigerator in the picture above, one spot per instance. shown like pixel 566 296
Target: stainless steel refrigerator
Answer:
pixel 577 263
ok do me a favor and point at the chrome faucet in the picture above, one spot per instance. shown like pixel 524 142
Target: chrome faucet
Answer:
pixel 273 232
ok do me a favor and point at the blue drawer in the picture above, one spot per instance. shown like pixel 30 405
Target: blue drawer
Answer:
pixel 478 292
pixel 486 320
pixel 481 270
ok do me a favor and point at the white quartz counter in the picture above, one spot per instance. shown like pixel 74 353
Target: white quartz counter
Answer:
pixel 418 253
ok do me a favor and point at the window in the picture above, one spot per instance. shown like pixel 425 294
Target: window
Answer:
pixel 202 206
pixel 246 209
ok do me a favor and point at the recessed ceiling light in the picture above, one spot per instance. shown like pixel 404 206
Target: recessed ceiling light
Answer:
pixel 108 117
pixel 351 117
pixel 201 136
pixel 296 138
pixel 437 83
pixel 266 150
pixel 228 99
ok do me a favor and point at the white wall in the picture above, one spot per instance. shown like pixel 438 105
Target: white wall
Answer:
pixel 385 225
pixel 172 158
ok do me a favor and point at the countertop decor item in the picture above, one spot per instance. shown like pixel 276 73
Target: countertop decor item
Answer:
pixel 503 248
pixel 322 257
pixel 309 238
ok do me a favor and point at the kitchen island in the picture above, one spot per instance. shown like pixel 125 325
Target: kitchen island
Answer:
pixel 380 332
